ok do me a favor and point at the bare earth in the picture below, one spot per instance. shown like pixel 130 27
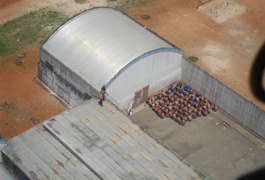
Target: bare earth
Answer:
pixel 9 9
pixel 29 103
pixel 224 34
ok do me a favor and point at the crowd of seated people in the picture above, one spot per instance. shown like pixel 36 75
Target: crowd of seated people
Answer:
pixel 180 103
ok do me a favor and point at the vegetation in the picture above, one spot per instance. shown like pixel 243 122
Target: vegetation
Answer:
pixel 33 27
pixel 123 5
pixel 80 1
pixel 145 17
pixel 192 58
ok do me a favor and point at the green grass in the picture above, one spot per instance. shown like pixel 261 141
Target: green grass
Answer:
pixel 124 5
pixel 31 28
pixel 80 1
pixel 192 58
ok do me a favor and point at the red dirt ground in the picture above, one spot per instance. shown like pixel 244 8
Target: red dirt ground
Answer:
pixel 225 50
pixel 6 3
pixel 9 8
pixel 28 98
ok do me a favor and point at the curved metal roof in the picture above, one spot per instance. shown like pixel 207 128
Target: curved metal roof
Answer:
pixel 97 44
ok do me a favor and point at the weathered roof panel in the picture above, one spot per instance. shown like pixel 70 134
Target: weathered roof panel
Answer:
pixel 40 156
pixel 98 43
pixel 93 142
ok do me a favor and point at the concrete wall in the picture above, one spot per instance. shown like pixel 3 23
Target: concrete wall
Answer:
pixel 60 79
pixel 154 70
pixel 229 101
pixel 12 165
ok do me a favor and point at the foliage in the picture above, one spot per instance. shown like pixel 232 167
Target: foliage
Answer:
pixel 33 27
pixel 123 5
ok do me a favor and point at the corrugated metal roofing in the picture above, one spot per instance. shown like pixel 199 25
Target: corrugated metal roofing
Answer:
pixel 99 43
pixel 91 142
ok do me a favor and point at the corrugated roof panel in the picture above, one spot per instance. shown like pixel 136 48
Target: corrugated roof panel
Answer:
pixel 98 43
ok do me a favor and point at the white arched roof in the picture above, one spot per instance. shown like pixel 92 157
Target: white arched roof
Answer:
pixel 99 43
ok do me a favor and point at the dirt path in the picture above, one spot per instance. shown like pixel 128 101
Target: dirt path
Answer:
pixel 224 36
pixel 9 9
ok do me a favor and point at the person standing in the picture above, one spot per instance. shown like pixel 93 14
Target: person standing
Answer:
pixel 101 95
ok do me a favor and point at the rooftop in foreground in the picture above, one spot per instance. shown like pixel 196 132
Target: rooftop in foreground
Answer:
pixel 93 142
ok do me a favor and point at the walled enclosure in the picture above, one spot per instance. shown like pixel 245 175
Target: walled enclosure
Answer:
pixel 105 47
pixel 229 101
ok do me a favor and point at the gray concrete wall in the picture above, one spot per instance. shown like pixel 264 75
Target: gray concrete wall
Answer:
pixel 61 80
pixel 228 100
pixel 12 165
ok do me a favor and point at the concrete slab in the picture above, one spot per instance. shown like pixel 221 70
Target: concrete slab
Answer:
pixel 214 145
pixel 4 173
pixel 106 141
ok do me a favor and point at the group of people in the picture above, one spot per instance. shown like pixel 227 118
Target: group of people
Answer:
pixel 181 103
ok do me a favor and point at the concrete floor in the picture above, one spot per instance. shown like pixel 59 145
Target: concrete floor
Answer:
pixel 215 145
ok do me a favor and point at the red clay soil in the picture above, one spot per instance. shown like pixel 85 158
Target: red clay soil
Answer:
pixel 30 102
pixel 11 8
pixel 7 2
pixel 225 50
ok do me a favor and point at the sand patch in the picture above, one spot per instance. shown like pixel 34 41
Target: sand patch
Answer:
pixel 216 57
pixel 211 49
pixel 222 10
pixel 214 64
